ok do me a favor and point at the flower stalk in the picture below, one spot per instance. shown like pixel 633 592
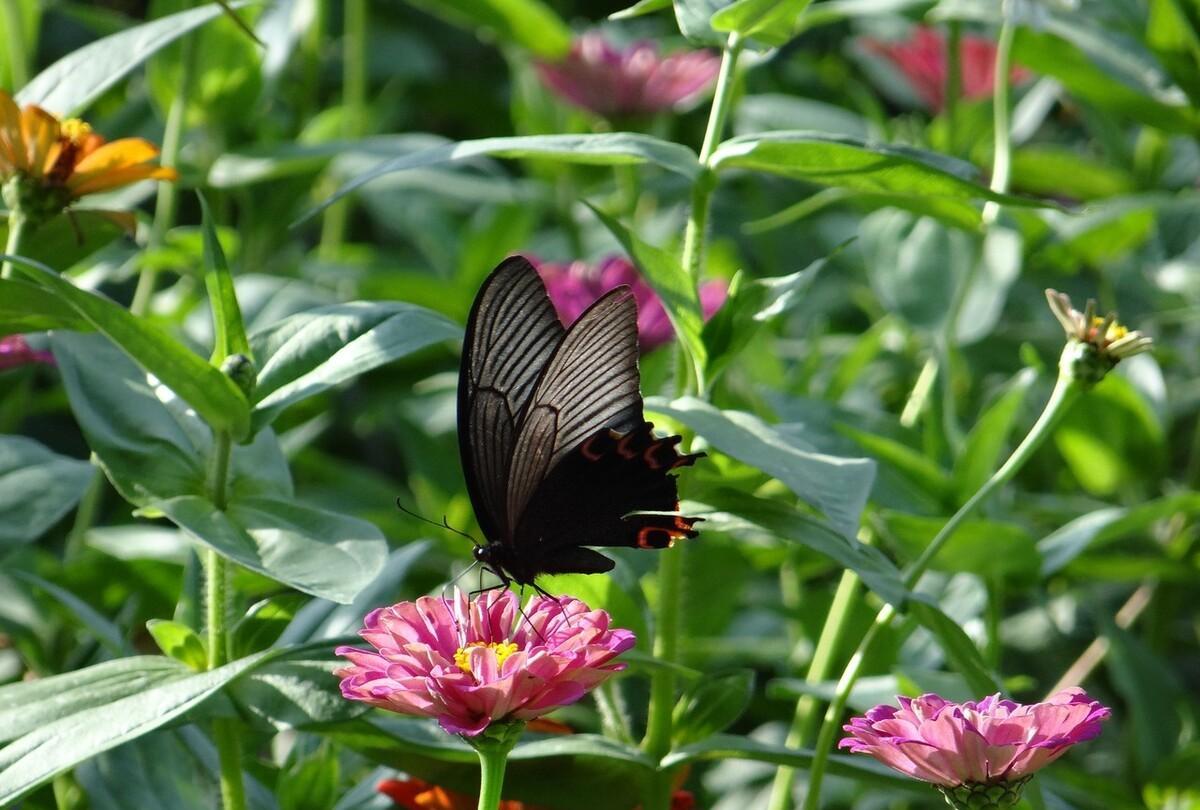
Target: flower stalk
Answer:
pixel 17 225
pixel 493 747
pixel 354 102
pixel 18 53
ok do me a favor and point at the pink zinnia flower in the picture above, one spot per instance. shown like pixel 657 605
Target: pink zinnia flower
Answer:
pixel 922 60
pixel 15 351
pixel 985 749
pixel 611 82
pixel 473 663
pixel 574 287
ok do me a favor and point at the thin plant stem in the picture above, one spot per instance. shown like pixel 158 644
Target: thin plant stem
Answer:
pixel 226 731
pixel 1066 391
pixel 166 205
pixel 953 87
pixel 493 748
pixel 18 224
pixel 919 397
pixel 993 614
pixel 354 101
pixel 18 53
pixel 821 667
pixel 85 515
pixel 657 742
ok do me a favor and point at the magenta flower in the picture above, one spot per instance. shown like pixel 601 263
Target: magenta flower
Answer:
pixel 473 663
pixel 15 351
pixel 982 749
pixel 922 60
pixel 574 287
pixel 599 77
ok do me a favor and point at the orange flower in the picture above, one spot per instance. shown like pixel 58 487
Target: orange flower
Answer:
pixel 45 163
pixel 414 794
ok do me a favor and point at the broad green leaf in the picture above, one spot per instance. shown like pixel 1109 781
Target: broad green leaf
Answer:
pixel 854 163
pixel 603 593
pixel 26 307
pixel 711 705
pixel 180 642
pixel 265 622
pixel 68 739
pixel 228 330
pixel 1049 54
pixel 837 486
pixel 157 770
pixel 835 11
pixel 914 265
pixel 296 692
pixel 997 266
pixel 1172 33
pixel 307 353
pixel 695 19
pixel 262 162
pixel 79 78
pixel 602 149
pixel 957 646
pixel 1097 529
pixel 313 781
pixel 30 705
pixel 1064 172
pixel 322 553
pixel 37 488
pixel 674 287
pixel 532 24
pixel 771 21
pixel 321 619
pixel 25 17
pixel 981 452
pixel 64 241
pixel 729 746
pixel 983 547
pixel 918 467
pixel 733 512
pixel 149 443
pixel 211 393
pixel 1152 691
pixel 639 8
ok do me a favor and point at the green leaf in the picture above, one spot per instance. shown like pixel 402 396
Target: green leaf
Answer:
pixel 602 149
pixel 671 283
pixel 211 393
pixel 728 746
pixel 531 24
pixel 157 770
pixel 79 78
pixel 957 645
pixel 983 547
pixel 1103 526
pixel 322 553
pixel 848 162
pixel 694 18
pixel 1172 33
pixel 101 628
pixel 915 465
pixel 736 512
pixel 1148 685
pixel 69 738
pixel 61 242
pixel 265 622
pixel 837 486
pixel 259 163
pixel 981 452
pixel 711 705
pixel 640 8
pixel 771 21
pixel 148 442
pixel 313 781
pixel 26 307
pixel 602 593
pixel 37 488
pixel 228 330
pixel 306 353
pixel 27 706
pixel 180 642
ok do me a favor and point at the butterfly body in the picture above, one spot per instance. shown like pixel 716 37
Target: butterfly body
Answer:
pixel 555 451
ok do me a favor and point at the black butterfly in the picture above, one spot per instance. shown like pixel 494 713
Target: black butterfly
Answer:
pixel 555 449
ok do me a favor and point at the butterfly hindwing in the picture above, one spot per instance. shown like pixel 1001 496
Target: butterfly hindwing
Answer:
pixel 511 334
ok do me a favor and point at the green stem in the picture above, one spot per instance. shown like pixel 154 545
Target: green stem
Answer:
pixel 85 515
pixel 919 396
pixel 17 227
pixel 493 747
pixel 820 668
pixel 18 56
pixel 166 205
pixel 1066 391
pixel 354 102
pixel 1001 115
pixel 993 614
pixel 953 88
pixel 226 731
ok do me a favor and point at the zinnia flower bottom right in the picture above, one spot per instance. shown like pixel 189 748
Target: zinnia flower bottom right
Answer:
pixel 981 753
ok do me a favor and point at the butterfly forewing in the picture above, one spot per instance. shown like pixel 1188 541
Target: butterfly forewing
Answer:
pixel 512 333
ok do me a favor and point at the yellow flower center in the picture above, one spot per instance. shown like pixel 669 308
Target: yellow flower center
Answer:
pixel 502 650
pixel 75 130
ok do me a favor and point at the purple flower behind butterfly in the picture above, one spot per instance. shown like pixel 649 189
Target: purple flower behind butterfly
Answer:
pixel 15 351
pixel 574 287
pixel 636 80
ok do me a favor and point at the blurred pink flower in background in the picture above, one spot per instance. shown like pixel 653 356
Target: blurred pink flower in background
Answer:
pixel 15 351
pixel 472 663
pixel 972 748
pixel 922 60
pixel 574 287
pixel 610 81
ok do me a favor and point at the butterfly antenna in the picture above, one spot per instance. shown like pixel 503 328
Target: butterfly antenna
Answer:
pixel 445 524
pixel 457 577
